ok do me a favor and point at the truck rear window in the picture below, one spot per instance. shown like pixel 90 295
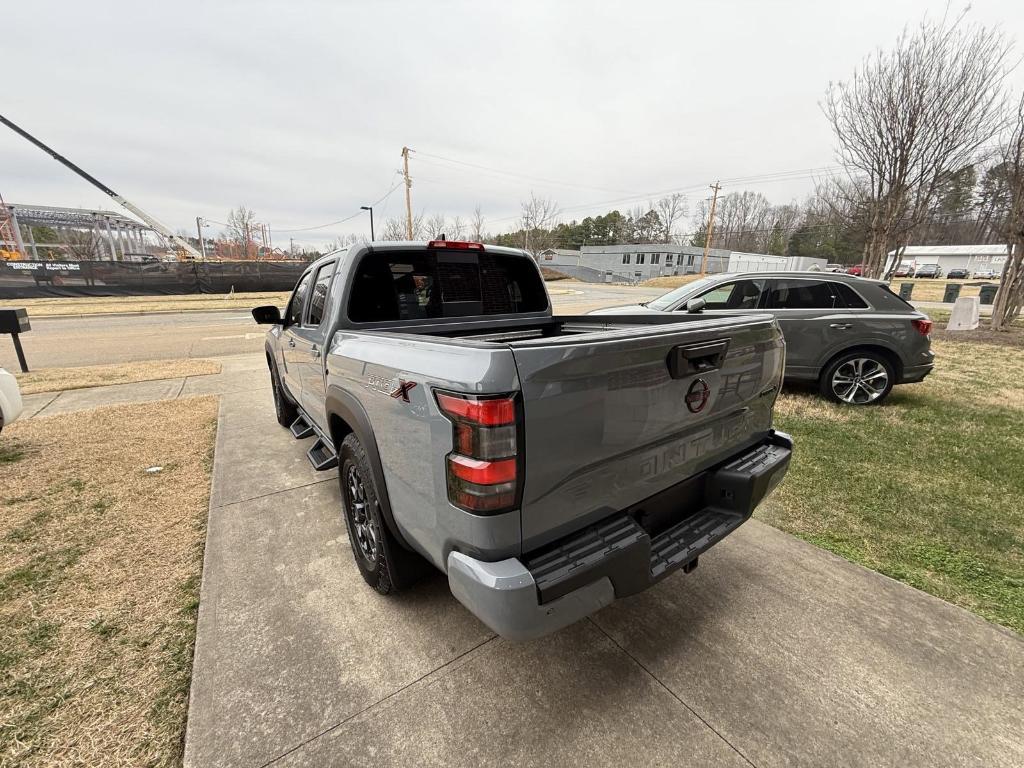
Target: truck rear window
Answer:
pixel 404 285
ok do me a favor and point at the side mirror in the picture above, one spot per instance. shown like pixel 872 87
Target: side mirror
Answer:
pixel 693 306
pixel 267 315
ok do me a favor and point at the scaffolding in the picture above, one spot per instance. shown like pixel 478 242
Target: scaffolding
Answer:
pixel 79 234
pixel 11 247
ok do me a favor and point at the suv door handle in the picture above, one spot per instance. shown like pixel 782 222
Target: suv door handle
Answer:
pixel 291 342
pixel 841 326
pixel 315 352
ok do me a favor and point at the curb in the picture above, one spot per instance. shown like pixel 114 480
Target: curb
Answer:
pixel 80 315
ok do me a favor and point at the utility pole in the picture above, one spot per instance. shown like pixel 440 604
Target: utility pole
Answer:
pixel 408 192
pixel 199 231
pixel 711 230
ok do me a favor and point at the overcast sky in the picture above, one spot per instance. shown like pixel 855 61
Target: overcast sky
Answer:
pixel 299 110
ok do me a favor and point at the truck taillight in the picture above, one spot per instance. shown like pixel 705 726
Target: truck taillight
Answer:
pixel 483 467
pixel 924 326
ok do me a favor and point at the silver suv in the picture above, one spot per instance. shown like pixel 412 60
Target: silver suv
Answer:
pixel 853 336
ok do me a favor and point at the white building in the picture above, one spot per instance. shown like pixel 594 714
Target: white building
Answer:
pixel 631 263
pixel 969 257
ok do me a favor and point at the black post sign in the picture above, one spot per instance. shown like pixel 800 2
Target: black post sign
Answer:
pixel 14 322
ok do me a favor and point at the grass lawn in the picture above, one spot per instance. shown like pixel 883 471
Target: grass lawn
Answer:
pixel 927 488
pixel 52 379
pixel 100 566
pixel 934 290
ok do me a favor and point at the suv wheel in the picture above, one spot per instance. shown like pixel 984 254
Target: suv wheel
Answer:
pixel 858 378
pixel 284 408
pixel 384 563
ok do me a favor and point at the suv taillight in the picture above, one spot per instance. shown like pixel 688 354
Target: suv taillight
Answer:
pixel 923 325
pixel 483 468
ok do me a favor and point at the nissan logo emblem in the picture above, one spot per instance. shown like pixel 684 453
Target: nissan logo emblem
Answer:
pixel 697 396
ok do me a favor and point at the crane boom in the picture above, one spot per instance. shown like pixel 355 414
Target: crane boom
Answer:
pixel 156 225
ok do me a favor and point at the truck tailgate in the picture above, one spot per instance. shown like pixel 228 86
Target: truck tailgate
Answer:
pixel 614 416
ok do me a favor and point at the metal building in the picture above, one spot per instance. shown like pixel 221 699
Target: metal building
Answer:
pixel 634 263
pixel 82 234
pixel 969 257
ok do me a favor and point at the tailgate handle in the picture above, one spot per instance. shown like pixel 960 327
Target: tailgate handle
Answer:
pixel 697 358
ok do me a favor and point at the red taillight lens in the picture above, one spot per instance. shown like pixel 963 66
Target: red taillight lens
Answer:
pixel 491 412
pixel 924 326
pixel 483 470
pixel 455 245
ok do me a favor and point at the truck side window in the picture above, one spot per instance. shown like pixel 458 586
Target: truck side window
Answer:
pixel 319 297
pixel 294 314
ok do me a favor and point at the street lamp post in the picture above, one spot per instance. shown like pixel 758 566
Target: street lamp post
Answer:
pixel 370 209
pixel 199 230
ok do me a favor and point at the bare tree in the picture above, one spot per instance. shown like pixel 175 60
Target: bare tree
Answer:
pixel 394 229
pixel 85 245
pixel 537 222
pixel 1010 296
pixel 435 226
pixel 671 209
pixel 457 228
pixel 476 225
pixel 241 231
pixel 911 116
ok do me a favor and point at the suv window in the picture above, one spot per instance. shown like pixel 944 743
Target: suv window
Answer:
pixel 403 285
pixel 804 294
pixel 849 296
pixel 740 294
pixel 294 314
pixel 319 296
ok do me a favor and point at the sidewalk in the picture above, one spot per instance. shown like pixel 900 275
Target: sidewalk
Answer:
pixel 238 373
pixel 772 653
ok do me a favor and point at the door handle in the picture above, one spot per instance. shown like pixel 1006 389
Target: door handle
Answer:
pixel 315 352
pixel 291 342
pixel 841 326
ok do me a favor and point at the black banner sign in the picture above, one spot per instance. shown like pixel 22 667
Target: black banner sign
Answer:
pixel 39 279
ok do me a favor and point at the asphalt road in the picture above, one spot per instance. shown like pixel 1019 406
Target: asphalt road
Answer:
pixel 100 340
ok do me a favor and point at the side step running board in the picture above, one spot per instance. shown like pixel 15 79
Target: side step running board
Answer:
pixel 301 428
pixel 322 455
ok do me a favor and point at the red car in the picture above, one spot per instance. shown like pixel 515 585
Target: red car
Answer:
pixel 857 270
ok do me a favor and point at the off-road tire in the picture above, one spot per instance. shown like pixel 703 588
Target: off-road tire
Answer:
pixel 384 563
pixel 284 408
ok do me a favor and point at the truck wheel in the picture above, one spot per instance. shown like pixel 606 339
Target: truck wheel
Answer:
pixel 284 408
pixel 860 377
pixel 384 563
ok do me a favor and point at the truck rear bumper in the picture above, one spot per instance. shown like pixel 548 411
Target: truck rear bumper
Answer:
pixel 623 554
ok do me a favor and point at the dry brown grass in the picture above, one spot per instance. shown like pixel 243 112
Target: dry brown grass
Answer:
pixel 669 282
pixel 54 379
pixel 99 581
pixel 102 305
pixel 934 290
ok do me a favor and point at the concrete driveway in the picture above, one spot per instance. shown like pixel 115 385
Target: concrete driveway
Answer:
pixel 773 653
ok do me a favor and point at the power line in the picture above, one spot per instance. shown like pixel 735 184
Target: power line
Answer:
pixel 748 180
pixel 523 176
pixel 341 221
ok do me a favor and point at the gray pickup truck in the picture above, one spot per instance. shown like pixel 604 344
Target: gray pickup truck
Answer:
pixel 546 464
